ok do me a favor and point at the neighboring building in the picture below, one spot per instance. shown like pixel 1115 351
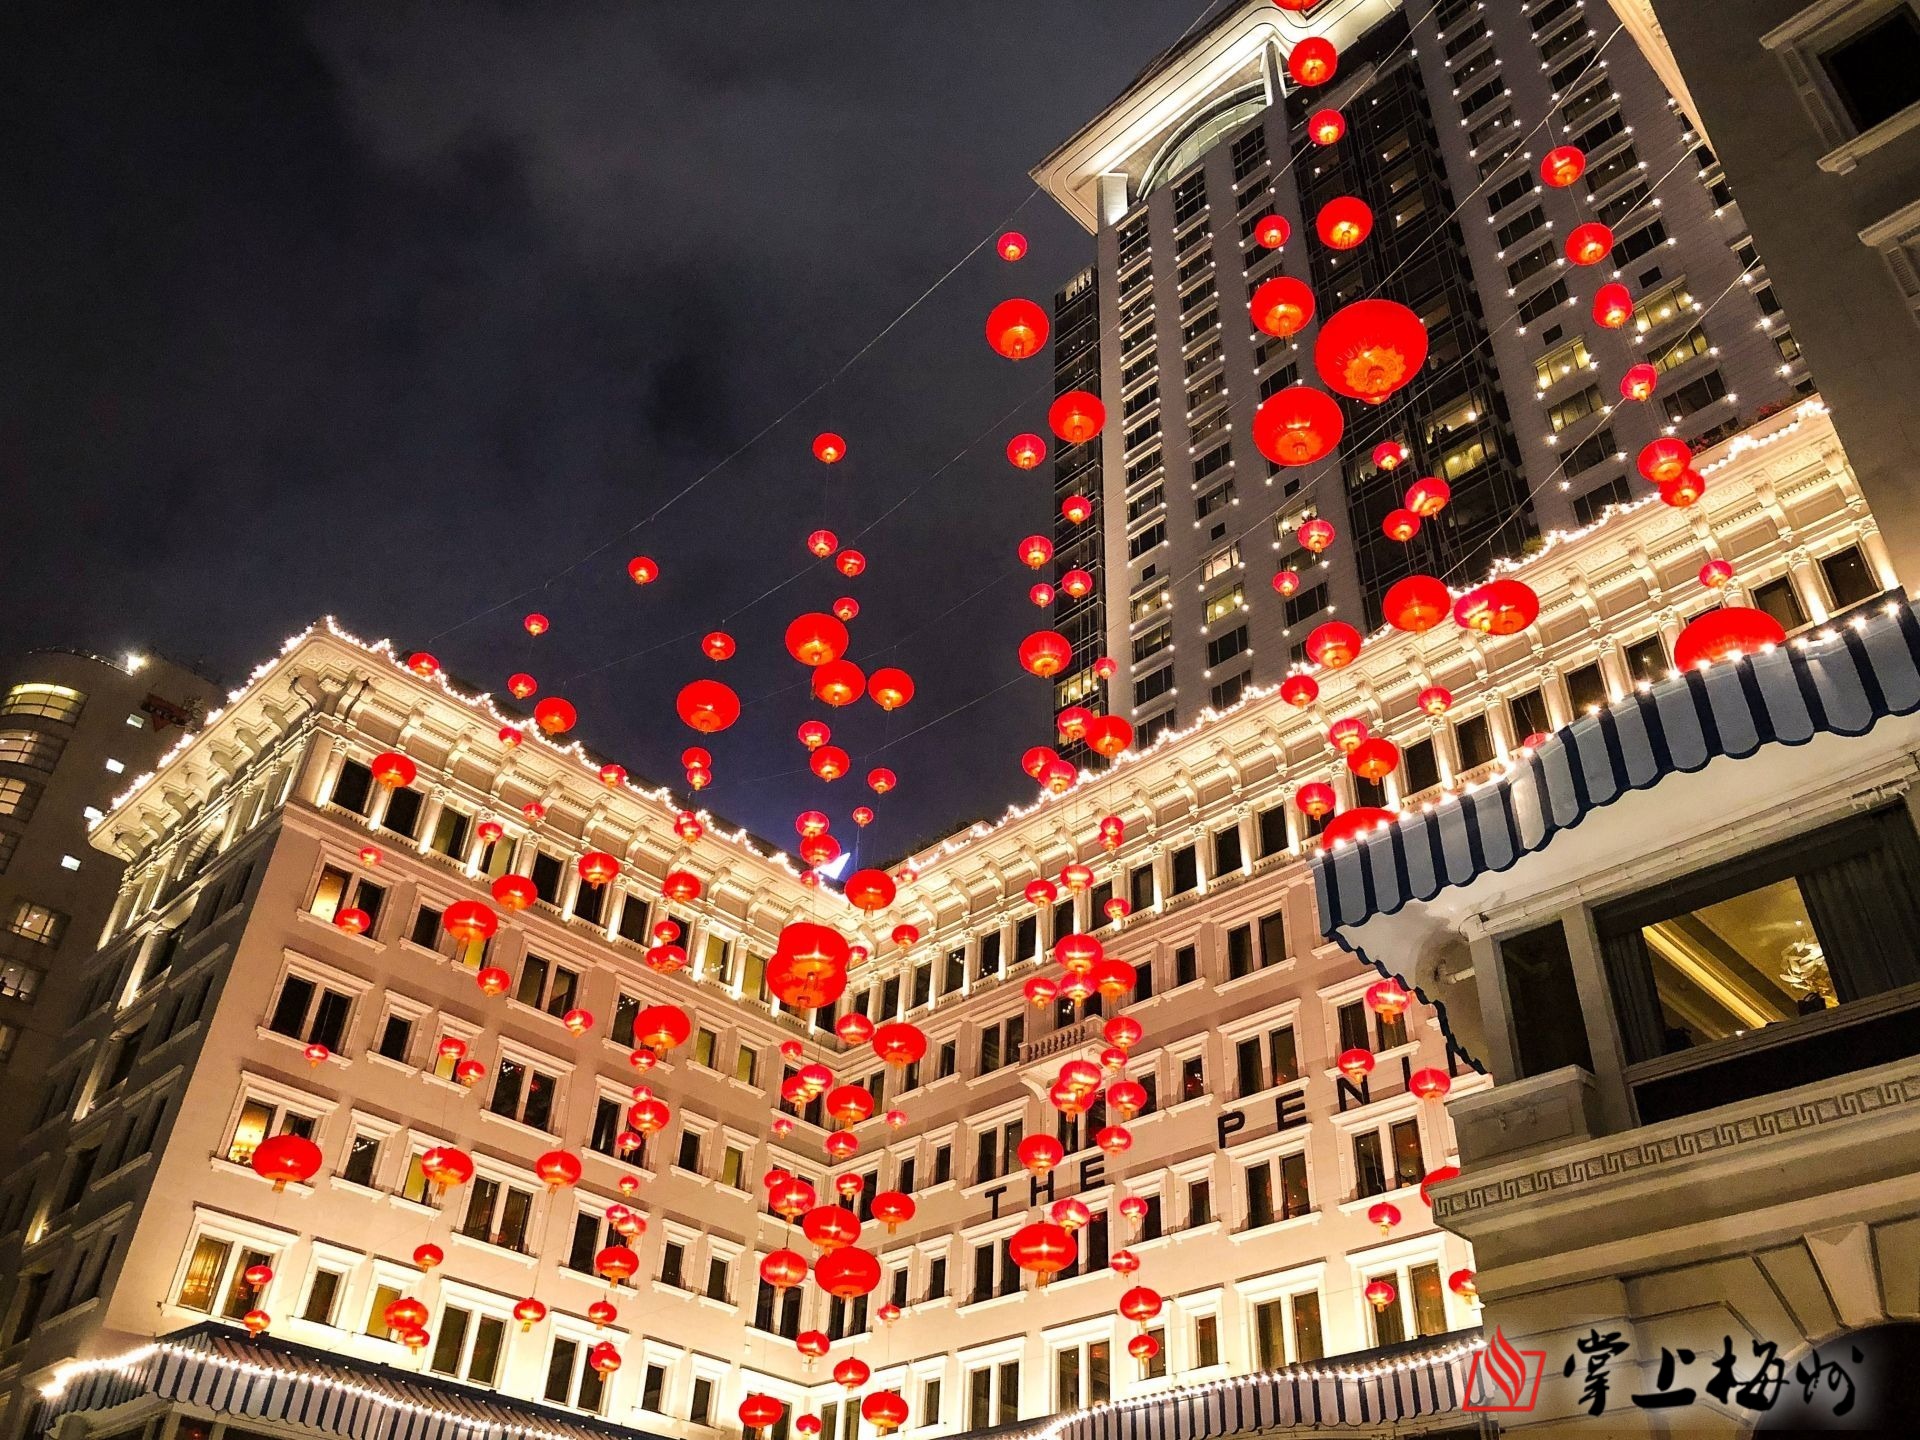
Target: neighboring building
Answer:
pixel 73 726
pixel 1448 110
pixel 134 1214
pixel 1813 109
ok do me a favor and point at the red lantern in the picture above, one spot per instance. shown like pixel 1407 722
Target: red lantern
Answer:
pixel 1109 735
pixel 823 543
pixel 1684 491
pixel 529 1312
pixel 352 920
pixel 1343 222
pixel 1077 583
pixel 1012 246
pixel 818 850
pixel 1352 825
pixel 393 769
pixel 468 1073
pixel 1427 497
pixel 1140 1304
pixel 1281 306
pixel 890 687
pixel 1035 551
pixel 427 1256
pixel 1725 634
pixel 1040 990
pixel 1385 1214
pixel 717 645
pixel 1271 231
pixel 597 868
pixel 847 1273
pixel 1589 244
pixel 1041 594
pixel 899 1043
pixel 1389 455
pixel 1071 723
pixel 445 1166
pixel 469 921
pixel 1437 1177
pixel 680 885
pixel 1401 525
pixel 661 1028
pixel 1346 734
pixel 1417 603
pixel 839 682
pixel 1388 998
pixel 1563 165
pixel 809 966
pixel 1325 127
pixel 845 608
pixel 1315 798
pixel 1334 644
pixel 1716 573
pixel 854 1028
pixel 892 1208
pixel 1297 426
pixel 577 1020
pixel 1123 1032
pixel 1313 60
pixel 520 685
pixel 1380 1294
pixel 1299 690
pixel 256 1321
pixel 1076 877
pixel 1369 349
pixel 1026 451
pixel 1127 1098
pixel 1356 1064
pixel 1499 607
pixel 1113 832
pixel 1133 1210
pixel 783 1269
pixel 707 706
pixel 1665 459
pixel 1287 583
pixel 1040 1153
pixel 423 664
pixel 1462 1283
pixel 617 1263
pixel 831 1227
pixel 828 447
pixel 1430 1084
pixel 285 1159
pixel 1045 653
pixel 813 1344
pixel 1639 382
pixel 1612 305
pixel 1043 1248
pixel 852 1372
pixel 814 638
pixel 1374 759
pixel 602 1313
pixel 1077 416
pixel 1017 328
pixel 1143 1347
pixel 1114 978
pixel 885 1410
pixel 642 570
pixel 557 1168
pixel 1042 891
pixel 554 716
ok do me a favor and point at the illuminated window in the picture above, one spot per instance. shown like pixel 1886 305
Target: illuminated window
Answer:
pixel 37 923
pixel 1463 459
pixel 31 748
pixel 1657 307
pixel 1577 406
pixel 1680 350
pixel 1558 364
pixel 18 797
pixel 52 702
pixel 1219 563
pixel 1225 603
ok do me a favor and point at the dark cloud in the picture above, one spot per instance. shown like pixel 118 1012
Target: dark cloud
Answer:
pixel 396 310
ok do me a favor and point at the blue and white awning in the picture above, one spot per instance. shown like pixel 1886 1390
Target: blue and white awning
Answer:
pixel 1805 705
pixel 213 1368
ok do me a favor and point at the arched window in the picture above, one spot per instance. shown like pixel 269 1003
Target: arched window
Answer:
pixel 1202 133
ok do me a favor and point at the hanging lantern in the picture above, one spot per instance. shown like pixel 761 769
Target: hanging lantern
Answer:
pixel 1077 583
pixel 809 966
pixel 429 1255
pixel 854 1028
pixel 1417 603
pixel 682 885
pixel 870 890
pixel 470 921
pixel 1462 1283
pixel 814 733
pixel 845 608
pixel 847 1273
pixel 1123 1262
pixel 890 687
pixel 577 1020
pixel 445 1166
pixel 1385 1214
pixel 1436 700
pixel 404 1313
pixel 554 716
pixel 790 1196
pixel 783 1269
pixel 1716 573
pixel 1389 455
pixel 1297 426
pixel 1316 798
pixel 1325 127
pixel 529 1312
pixel 352 920
pixel 1343 222
pixel 1113 832
pixel 285 1159
pixel 1281 306
pixel 1639 382
pixel 1114 978
pixel 814 639
pixel 899 1043
pixel 707 706
pixel 1271 231
pixel 1017 328
pixel 1665 459
pixel 1374 759
pixel 1589 244
pixel 1118 907
pixel 1725 634
pixel 892 1208
pixel 649 1116
pixel 1042 1249
pixel 1299 690
pixel 1071 723
pixel 1040 990
pixel 1123 1032
pixel 642 570
pixel 256 1321
pixel 1335 644
pixel 1380 1294
pixel 1428 496
pixel 1140 1304
pixel 1499 607
pixel 1430 1084
pixel 717 645
pixel 1563 165
pixel 1612 305
pixel 1143 1347
pixel 1317 534
pixel 520 685
pixel 1313 61
pixel 1346 734
pixel 1684 491
pixel 1041 594
pixel 1109 735
pixel 1356 1064
pixel 534 810
pixel 1388 998
pixel 1045 653
pixel 885 1410
pixel 423 664
pixel 1369 349
pixel 557 1168
pixel 838 683
pixel 852 1372
pixel 832 1227
pixel 905 936
pixel 393 770
pixel 602 1313
pixel 1026 451
pixel 468 1073
pixel 1035 551
pixel 1127 1098
pixel 1012 246
pixel 823 543
pixel 1133 1210
pixel 1076 877
pixel 661 1028
pixel 597 868
pixel 1400 525
pixel 828 447
pixel 1287 583
pixel 1438 1176
pixel 1077 416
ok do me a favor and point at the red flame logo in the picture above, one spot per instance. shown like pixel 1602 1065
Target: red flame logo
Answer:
pixel 1499 1366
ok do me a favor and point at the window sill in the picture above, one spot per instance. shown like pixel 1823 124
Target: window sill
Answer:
pixel 387 1062
pixel 1397 1195
pixel 725 1307
pixel 974 1307
pixel 519 1126
pixel 487 1247
pixel 354 1187
pixel 1842 159
pixel 1275 1227
pixel 222 1165
pixel 1278 967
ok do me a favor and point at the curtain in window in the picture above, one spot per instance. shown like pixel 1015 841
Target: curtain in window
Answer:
pixel 1635 1001
pixel 1866 909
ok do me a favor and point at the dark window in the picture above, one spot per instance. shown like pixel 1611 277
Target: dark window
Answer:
pixel 1226 850
pixel 1140 887
pixel 1586 688
pixel 1876 73
pixel 1849 577
pixel 1239 951
pixel 1777 598
pixel 1273 938
pixel 1529 711
pixel 1548 1029
pixel 1186 965
pixel 1647 659
pixel 1420 766
pixel 1186 870
pixel 1273 831
pixel 353 787
pixel 1475 740
pixel 546 877
pixel 403 813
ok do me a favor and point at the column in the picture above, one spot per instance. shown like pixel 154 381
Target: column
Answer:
pixel 1596 1005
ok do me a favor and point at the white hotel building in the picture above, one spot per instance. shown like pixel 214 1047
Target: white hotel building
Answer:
pixel 133 1214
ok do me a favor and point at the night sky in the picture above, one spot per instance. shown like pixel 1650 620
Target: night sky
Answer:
pixel 411 313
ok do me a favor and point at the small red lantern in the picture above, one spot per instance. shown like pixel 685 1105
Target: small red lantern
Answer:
pixel 1612 305
pixel 1077 583
pixel 1427 497
pixel 1286 583
pixel 469 920
pixel 717 645
pixel 1344 222
pixel 1045 653
pixel 256 1321
pixel 1041 594
pixel 1356 1064
pixel 642 570
pixel 1716 573
pixel 1077 416
pixel 839 683
pixel 352 920
pixel 1012 246
pixel 1436 700
pixel 1589 244
pixel 1499 607
pixel 529 1312
pixel 1334 644
pixel 893 1208
pixel 1380 1294
pixel 1317 534
pixel 520 685
pixel 1271 231
pixel 1143 1347
pixel 1385 1214
pixel 1325 127
pixel 852 1372
pixel 1374 759
pixel 429 1255
pixel 1665 459
pixel 1562 165
pixel 1313 61
pixel 1430 1084
pixel 829 447
pixel 1140 1304
pixel 1463 1284
pixel 1300 690
pixel 554 716
pixel 392 769
pixel 1400 525
pixel 1281 306
pixel 1316 798
pixel 1684 491
pixel 1639 382
pixel 1026 451
pixel 845 608
pixel 885 1410
pixel 423 664
pixel 823 543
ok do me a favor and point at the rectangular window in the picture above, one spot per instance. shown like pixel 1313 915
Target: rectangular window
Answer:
pixel 1239 951
pixel 1850 580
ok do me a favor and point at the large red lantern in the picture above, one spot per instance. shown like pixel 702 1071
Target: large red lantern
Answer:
pixel 1313 61
pixel 446 1166
pixel 1428 496
pixel 839 682
pixel 597 867
pixel 1430 1084
pixel 1109 735
pixel 893 1208
pixel 1334 644
pixel 1140 1304
pixel 814 638
pixel 890 687
pixel 758 1411
pixel 832 1227
pixel 1665 459
pixel 392 769
pixel 661 1028
pixel 557 1168
pixel 1300 690
pixel 1612 305
pixel 1315 798
pixel 1499 607
pixel 1563 165
pixel 1417 603
pixel 1343 222
pixel 809 966
pixel 1297 426
pixel 1017 328
pixel 708 706
pixel 783 1269
pixel 1045 653
pixel 1281 306
pixel 885 1410
pixel 1589 244
pixel 1035 551
pixel 847 1273
pixel 1077 416
pixel 285 1160
pixel 1271 231
pixel 554 716
pixel 1724 634
pixel 1351 825
pixel 830 762
pixel 870 890
pixel 469 920
pixel 1374 759
pixel 1369 349
pixel 899 1043
pixel 1040 1153
pixel 1026 450
pixel 1042 1248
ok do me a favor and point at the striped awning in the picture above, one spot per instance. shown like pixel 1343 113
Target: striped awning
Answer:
pixel 1838 685
pixel 1376 1389
pixel 212 1367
